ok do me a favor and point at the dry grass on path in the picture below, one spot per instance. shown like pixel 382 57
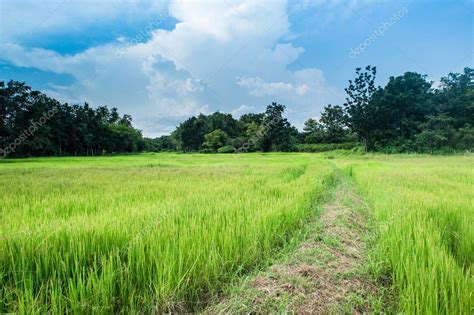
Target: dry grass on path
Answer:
pixel 323 275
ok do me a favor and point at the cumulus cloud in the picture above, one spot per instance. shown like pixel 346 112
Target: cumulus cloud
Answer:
pixel 243 109
pixel 26 18
pixel 189 69
pixel 259 87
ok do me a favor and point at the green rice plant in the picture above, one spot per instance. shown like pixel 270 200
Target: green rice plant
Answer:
pixel 167 232
pixel 424 207
pixel 147 233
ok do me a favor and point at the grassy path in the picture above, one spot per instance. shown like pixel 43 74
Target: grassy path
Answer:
pixel 324 274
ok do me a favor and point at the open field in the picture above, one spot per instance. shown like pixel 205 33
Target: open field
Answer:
pixel 169 231
pixel 148 232
pixel 424 210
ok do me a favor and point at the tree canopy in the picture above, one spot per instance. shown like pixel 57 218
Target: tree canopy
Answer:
pixel 408 114
pixel 33 124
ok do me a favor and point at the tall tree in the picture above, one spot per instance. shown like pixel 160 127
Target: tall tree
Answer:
pixel 333 121
pixel 277 132
pixel 456 97
pixel 358 104
pixel 252 118
pixel 190 133
pixel 399 109
pixel 313 131
pixel 226 123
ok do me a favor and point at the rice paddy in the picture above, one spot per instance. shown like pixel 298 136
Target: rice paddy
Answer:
pixel 144 233
pixel 424 213
pixel 167 232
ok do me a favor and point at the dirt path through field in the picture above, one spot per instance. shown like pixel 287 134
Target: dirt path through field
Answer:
pixel 323 275
pixel 338 286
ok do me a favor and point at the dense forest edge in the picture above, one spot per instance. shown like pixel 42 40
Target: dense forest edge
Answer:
pixel 408 114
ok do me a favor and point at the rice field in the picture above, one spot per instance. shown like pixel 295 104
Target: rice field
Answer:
pixel 168 232
pixel 147 233
pixel 424 213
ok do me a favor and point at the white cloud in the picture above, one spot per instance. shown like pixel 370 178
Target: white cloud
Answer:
pixel 190 69
pixel 243 109
pixel 26 18
pixel 259 87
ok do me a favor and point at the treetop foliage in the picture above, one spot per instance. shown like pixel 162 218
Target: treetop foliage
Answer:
pixel 33 124
pixel 406 115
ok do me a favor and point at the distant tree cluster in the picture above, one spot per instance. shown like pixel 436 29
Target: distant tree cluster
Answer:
pixel 406 115
pixel 218 132
pixel 33 124
pixel 409 115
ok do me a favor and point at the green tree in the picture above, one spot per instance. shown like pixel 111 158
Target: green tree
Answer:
pixel 226 123
pixel 437 133
pixel 358 104
pixel 252 118
pixel 400 108
pixel 313 131
pixel 38 125
pixel 163 143
pixel 276 132
pixel 215 139
pixel 333 121
pixel 456 97
pixel 190 133
pixel 464 138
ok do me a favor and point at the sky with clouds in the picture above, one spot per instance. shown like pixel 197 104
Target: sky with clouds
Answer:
pixel 163 61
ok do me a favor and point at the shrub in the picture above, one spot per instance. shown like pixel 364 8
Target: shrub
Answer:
pixel 323 147
pixel 226 149
pixel 207 151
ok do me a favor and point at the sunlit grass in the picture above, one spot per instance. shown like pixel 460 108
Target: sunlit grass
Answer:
pixel 164 232
pixel 424 209
pixel 145 233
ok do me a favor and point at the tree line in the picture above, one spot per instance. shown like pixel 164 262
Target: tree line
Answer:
pixel 406 115
pixel 33 124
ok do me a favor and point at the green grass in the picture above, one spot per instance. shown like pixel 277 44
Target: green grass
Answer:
pixel 164 232
pixel 145 233
pixel 424 213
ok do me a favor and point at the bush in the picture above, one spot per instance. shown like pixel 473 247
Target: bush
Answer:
pixel 323 147
pixel 207 151
pixel 226 149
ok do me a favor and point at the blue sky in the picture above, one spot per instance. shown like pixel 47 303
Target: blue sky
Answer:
pixel 162 61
